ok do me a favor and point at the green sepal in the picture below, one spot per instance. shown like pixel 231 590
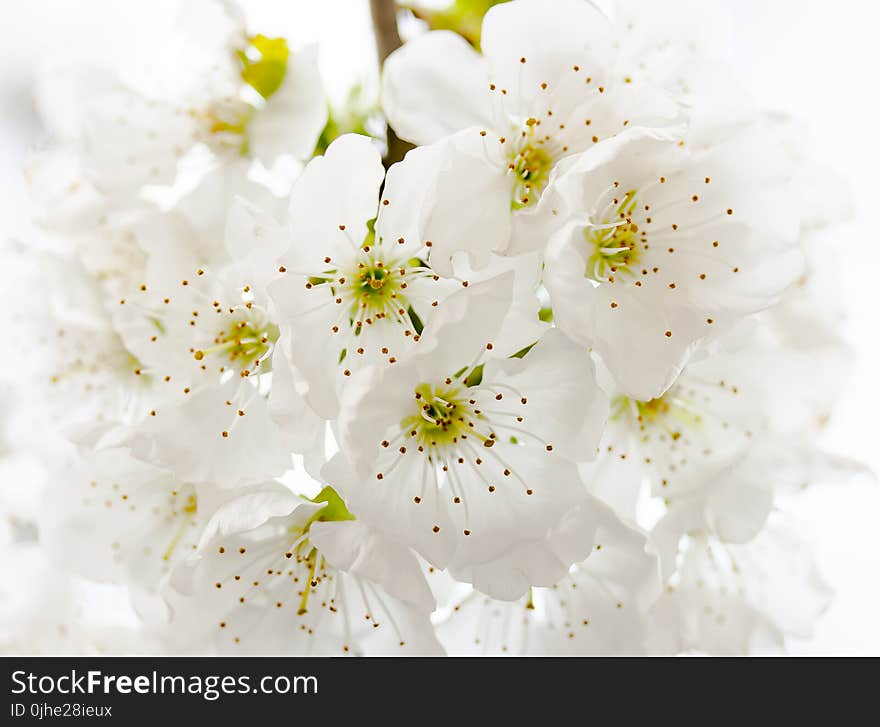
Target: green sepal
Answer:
pixel 335 509
pixel 265 75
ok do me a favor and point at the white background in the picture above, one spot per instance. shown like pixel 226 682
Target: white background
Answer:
pixel 815 60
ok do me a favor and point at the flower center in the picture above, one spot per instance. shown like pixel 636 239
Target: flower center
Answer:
pixel 530 165
pixel 614 244
pixel 374 289
pixel 444 415
pixel 670 412
pixel 244 343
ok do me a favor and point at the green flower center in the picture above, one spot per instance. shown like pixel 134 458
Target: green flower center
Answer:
pixel 375 288
pixel 530 165
pixel 444 415
pixel 671 412
pixel 244 344
pixel 613 245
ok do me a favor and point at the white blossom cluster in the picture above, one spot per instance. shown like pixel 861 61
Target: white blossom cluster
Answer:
pixel 543 387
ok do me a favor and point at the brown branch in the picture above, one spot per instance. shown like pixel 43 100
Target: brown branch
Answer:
pixel 384 14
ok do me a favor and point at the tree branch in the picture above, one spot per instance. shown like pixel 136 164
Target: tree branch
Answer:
pixel 384 13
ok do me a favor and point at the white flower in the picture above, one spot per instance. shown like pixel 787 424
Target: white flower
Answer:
pixel 254 97
pixel 658 245
pixel 597 608
pixel 78 370
pixel 737 599
pixel 350 296
pixel 737 425
pixel 74 213
pixel 547 87
pixel 660 42
pixel 356 293
pixel 121 243
pixel 279 574
pixel 114 519
pixel 733 507
pixel 465 457
pixel 735 429
pixel 679 442
pixel 104 185
pixel 206 337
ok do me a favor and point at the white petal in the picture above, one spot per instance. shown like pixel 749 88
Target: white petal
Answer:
pixel 131 141
pixel 522 326
pixel 409 189
pixel 289 410
pixel 189 439
pixel 537 493
pixel 426 100
pixel 294 115
pixel 256 239
pixel 353 547
pixel 339 188
pixel 471 208
pixel 552 40
pixel 467 322
pixel 541 561
pixel 597 608
pixel 254 506
pixel 389 506
pixel 566 406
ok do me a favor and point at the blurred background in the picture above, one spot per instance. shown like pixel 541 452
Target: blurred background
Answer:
pixel 812 60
